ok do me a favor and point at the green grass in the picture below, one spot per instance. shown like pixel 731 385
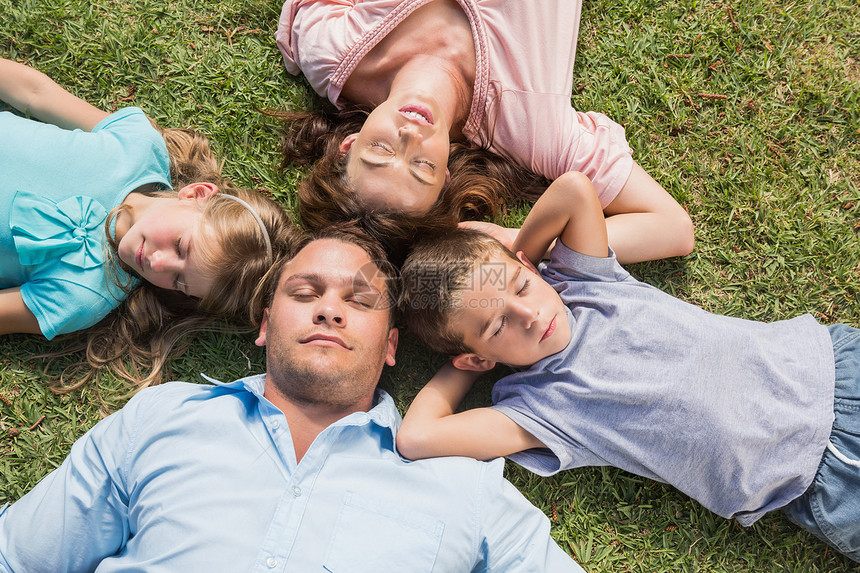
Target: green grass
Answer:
pixel 769 170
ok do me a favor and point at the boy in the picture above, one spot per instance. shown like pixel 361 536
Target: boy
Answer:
pixel 740 415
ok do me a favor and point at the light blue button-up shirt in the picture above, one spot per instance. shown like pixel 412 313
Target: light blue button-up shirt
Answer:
pixel 190 477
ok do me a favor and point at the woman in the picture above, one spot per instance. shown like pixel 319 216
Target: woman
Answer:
pixel 497 75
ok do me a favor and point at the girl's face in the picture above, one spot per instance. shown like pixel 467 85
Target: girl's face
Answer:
pixel 163 242
pixel 399 159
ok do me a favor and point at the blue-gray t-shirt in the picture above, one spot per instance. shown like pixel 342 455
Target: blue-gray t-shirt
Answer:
pixel 734 413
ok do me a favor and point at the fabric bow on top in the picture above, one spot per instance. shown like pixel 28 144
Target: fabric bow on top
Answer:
pixel 71 230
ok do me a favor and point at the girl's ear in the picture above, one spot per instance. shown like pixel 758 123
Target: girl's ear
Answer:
pixel 199 190
pixel 347 142
pixel 473 362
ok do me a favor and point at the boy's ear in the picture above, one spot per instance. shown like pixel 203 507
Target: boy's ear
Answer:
pixel 199 190
pixel 473 362
pixel 525 260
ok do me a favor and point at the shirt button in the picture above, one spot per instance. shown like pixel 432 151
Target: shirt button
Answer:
pixel 271 562
pixel 275 424
pixel 297 491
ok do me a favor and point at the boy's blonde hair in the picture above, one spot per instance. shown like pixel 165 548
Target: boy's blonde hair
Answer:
pixel 436 273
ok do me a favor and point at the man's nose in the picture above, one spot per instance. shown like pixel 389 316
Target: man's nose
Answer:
pixel 330 311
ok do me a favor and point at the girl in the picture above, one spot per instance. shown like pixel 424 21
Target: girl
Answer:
pixel 494 75
pixel 88 221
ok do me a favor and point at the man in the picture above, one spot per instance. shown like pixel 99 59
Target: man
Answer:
pixel 294 470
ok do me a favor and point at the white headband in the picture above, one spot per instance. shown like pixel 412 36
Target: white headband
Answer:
pixel 259 222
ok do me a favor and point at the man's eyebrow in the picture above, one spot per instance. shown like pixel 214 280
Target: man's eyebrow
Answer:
pixel 339 280
pixel 382 164
pixel 361 283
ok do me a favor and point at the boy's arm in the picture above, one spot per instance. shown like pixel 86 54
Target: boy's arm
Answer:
pixel 570 210
pixel 431 428
pixel 32 92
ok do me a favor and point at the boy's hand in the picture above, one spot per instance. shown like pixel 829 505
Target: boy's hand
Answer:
pixel 504 235
pixel 570 210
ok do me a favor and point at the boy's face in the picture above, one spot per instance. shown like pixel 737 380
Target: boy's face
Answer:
pixel 510 315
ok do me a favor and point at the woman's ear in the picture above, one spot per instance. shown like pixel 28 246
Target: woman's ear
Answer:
pixel 473 362
pixel 346 145
pixel 198 190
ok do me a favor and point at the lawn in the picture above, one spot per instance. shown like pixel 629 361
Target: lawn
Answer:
pixel 747 112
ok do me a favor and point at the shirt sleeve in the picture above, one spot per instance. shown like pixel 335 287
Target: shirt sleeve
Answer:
pixel 515 533
pixel 78 514
pixel 48 299
pixel 565 264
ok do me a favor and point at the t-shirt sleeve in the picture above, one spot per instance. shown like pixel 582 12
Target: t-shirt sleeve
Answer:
pixel 565 264
pixel 62 305
pixel 138 150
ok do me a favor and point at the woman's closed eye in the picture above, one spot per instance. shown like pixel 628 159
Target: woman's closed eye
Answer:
pixel 382 146
pixel 426 165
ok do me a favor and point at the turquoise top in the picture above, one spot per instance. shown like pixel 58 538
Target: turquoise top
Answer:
pixel 57 187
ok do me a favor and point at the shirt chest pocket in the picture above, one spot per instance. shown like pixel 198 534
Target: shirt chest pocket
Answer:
pixel 372 535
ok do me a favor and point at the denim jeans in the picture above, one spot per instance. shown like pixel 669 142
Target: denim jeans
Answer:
pixel 830 508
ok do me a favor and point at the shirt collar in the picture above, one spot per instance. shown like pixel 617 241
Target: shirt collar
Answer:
pixel 384 413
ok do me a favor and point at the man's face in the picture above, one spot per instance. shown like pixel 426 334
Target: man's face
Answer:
pixel 511 315
pixel 327 331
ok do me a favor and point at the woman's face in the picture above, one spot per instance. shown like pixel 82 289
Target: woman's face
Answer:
pixel 399 159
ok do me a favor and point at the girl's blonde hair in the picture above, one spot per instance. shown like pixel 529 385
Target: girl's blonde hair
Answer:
pixel 135 340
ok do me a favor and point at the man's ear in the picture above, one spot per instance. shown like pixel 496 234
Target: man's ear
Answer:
pixel 393 335
pixel 525 260
pixel 347 142
pixel 473 362
pixel 198 190
pixel 261 338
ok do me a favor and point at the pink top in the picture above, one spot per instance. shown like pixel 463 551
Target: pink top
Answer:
pixel 523 81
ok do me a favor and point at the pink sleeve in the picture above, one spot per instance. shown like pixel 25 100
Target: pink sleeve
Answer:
pixel 544 133
pixel 291 26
